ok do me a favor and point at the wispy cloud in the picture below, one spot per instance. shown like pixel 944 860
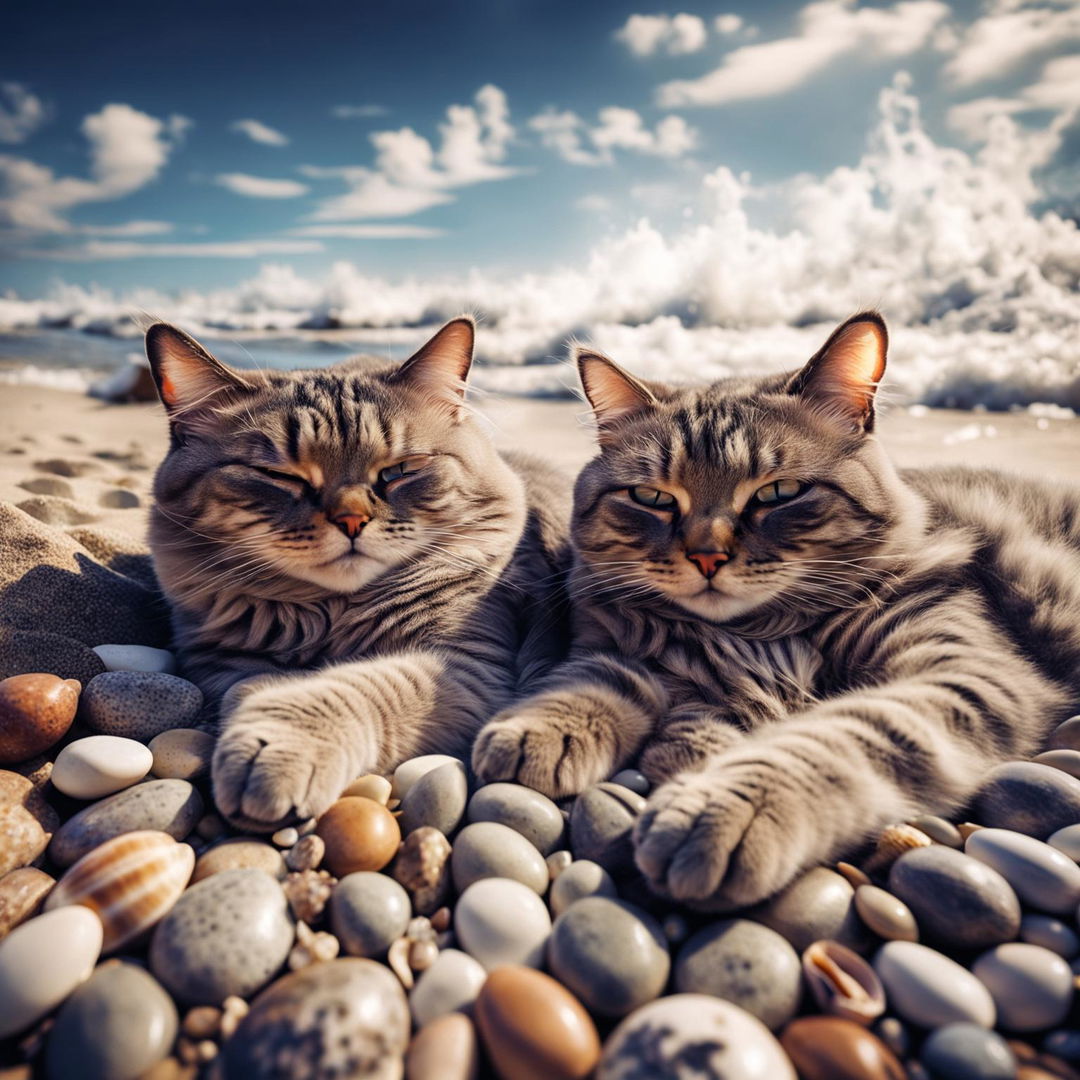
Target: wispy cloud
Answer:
pixel 128 229
pixel 828 29
pixel 368 232
pixel 237 249
pixel 260 187
pixel 21 113
pixel 617 128
pixel 676 35
pixel 358 112
pixel 259 132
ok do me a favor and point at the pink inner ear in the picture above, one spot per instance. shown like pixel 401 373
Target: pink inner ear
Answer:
pixel 859 356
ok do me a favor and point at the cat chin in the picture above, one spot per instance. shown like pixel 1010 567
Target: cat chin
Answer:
pixel 343 578
pixel 719 607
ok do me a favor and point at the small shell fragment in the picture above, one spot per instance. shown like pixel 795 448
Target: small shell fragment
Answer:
pixel 843 983
pixel 893 842
pixel 398 959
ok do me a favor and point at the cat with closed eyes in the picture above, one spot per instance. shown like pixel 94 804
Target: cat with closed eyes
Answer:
pixel 353 570
pixel 801 643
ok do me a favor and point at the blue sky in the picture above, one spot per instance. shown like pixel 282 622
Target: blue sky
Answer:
pixel 131 158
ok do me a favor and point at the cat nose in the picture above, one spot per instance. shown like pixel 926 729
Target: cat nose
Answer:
pixel 708 562
pixel 351 524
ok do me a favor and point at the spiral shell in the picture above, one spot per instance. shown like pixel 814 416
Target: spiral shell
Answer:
pixel 130 881
pixel 843 983
pixel 892 843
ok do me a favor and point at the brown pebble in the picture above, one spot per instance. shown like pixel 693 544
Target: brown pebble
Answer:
pixel 853 874
pixel 422 866
pixel 306 853
pixel 239 853
pixel 211 827
pixel 35 713
pixel 444 1049
pixel 359 835
pixel 27 822
pixel 22 892
pixel 533 1027
pixel 440 921
pixel 967 828
pixel 202 1022
pixel 370 786
pixel 830 1048
pixel 887 915
pixel 170 1068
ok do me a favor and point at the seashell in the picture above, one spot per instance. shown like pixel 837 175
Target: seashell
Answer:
pixel 892 843
pixel 398 959
pixel 843 983
pixel 130 881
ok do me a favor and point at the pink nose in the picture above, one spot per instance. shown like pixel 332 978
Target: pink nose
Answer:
pixel 351 524
pixel 708 562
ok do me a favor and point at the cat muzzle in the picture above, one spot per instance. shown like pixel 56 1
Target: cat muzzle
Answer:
pixel 708 562
pixel 351 524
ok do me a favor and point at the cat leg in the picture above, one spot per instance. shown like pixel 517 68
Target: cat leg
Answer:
pixel 589 721
pixel 687 739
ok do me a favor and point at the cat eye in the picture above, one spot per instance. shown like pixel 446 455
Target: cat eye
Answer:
pixel 408 467
pixel 779 491
pixel 653 498
pixel 278 474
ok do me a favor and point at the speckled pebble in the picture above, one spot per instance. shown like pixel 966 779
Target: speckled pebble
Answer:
pixel 449 985
pixel 226 935
pixel 100 765
pixel 1028 798
pixel 422 866
pixel 1031 986
pixel 888 916
pixel 171 806
pixel 636 781
pixel 601 824
pixel 498 921
pixel 1043 877
pixel 182 754
pixel 368 912
pixel 968 1052
pixel 239 853
pixel 580 879
pixel 136 658
pixel 487 849
pixel 744 963
pixel 27 822
pixel 528 812
pixel 437 799
pixel 139 704
pixel 22 892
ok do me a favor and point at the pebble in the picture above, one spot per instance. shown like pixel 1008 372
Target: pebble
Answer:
pixel 1043 877
pixel 27 822
pixel 886 915
pixel 679 1031
pixel 370 786
pixel 1066 736
pixel 1068 761
pixel 557 862
pixel 444 1050
pixel 22 892
pixel 957 900
pixel 450 985
pixel 130 882
pixel 368 913
pixel 967 1052
pixel 422 866
pixel 35 713
pixel 612 955
pixel 487 849
pixel 528 812
pixel 136 658
pixel 580 879
pixel 1031 986
pixel 533 1029
pixel 1028 798
pixel 115 1026
pixel 1051 934
pixel 139 704
pixel 939 830
pixel 306 854
pixel 408 772
pixel 831 1048
pixel 41 963
pixel 601 824
pixel 226 935
pixel 359 834
pixel 1067 841
pixel 285 838
pixel 239 853
pixel 182 754
pixel 636 781
pixel 930 990
pixel 100 765
pixel 340 1018
pixel 745 963
pixel 818 905
pixel 499 921
pixel 171 806
pixel 438 798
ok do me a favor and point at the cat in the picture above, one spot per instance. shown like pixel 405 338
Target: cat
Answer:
pixel 803 644
pixel 354 572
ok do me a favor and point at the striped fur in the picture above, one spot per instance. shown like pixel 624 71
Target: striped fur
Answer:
pixel 335 654
pixel 867 650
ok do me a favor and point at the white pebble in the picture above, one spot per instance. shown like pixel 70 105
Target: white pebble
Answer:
pixel 136 658
pixel 285 838
pixel 500 921
pixel 926 988
pixel 451 984
pixel 408 772
pixel 100 765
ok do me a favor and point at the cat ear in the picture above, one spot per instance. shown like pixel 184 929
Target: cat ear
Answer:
pixel 440 367
pixel 614 394
pixel 843 376
pixel 188 378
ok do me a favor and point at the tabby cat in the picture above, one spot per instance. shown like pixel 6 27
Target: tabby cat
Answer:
pixel 802 644
pixel 351 566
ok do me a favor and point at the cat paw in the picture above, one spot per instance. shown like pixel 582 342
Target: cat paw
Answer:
pixel 717 836
pixel 553 754
pixel 268 772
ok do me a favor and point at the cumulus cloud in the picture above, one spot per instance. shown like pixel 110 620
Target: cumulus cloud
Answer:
pixel 21 112
pixel 676 35
pixel 260 187
pixel 259 132
pixel 827 30
pixel 617 128
pixel 127 148
pixel 728 24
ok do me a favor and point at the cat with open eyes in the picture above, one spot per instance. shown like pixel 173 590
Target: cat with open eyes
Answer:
pixel 802 644
pixel 353 570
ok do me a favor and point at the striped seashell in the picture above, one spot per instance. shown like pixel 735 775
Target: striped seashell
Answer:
pixel 130 881
pixel 892 843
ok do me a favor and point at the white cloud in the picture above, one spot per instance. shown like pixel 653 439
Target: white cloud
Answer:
pixel 676 35
pixel 128 149
pixel 21 113
pixel 617 128
pixel 728 24
pixel 260 187
pixel 593 204
pixel 358 112
pixel 828 29
pixel 128 229
pixel 373 195
pixel 259 132
pixel 120 249
pixel 368 232
pixel 1009 35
